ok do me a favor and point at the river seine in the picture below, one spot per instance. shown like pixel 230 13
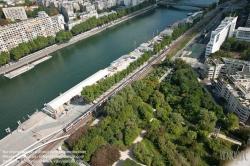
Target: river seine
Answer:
pixel 22 95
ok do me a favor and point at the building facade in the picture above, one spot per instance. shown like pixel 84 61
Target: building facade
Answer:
pixel 43 25
pixel 215 68
pixel 220 34
pixel 15 13
pixel 232 78
pixel 243 34
pixel 235 90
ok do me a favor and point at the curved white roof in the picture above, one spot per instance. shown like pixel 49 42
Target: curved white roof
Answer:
pixel 66 96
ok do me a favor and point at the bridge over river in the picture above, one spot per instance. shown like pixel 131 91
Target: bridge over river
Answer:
pixel 168 3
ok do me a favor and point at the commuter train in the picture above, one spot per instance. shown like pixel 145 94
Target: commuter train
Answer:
pixel 69 127
pixel 72 125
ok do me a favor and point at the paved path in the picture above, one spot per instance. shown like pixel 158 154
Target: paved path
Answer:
pixel 129 153
pixel 165 75
pixel 229 139
pixel 48 50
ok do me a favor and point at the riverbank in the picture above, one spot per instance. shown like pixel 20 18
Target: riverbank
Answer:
pixel 48 50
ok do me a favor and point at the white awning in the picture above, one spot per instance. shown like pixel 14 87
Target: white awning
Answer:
pixel 63 98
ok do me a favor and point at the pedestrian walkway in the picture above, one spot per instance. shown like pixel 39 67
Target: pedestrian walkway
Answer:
pixel 165 75
pixel 229 139
pixel 129 153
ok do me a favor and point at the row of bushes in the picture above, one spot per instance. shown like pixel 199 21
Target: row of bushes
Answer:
pixel 90 93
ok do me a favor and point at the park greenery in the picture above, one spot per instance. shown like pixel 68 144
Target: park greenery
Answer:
pixel 63 162
pixel 178 133
pixel 52 11
pixel 233 45
pixel 129 162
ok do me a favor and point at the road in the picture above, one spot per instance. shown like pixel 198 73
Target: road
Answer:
pixel 48 50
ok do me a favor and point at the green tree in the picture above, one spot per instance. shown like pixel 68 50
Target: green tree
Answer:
pixel 4 58
pixel 15 53
pixel 145 112
pixel 231 121
pixel 63 36
pixel 243 132
pixel 130 135
pixel 206 120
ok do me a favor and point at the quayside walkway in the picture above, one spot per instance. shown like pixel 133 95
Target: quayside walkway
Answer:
pixel 168 3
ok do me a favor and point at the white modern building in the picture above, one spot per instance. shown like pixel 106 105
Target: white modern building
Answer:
pixel 220 34
pixel 15 13
pixel 243 34
pixel 43 25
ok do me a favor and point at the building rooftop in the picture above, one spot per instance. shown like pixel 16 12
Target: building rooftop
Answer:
pixel 66 96
pixel 244 29
pixel 224 23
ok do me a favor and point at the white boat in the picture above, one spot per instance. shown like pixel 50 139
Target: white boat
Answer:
pixel 190 14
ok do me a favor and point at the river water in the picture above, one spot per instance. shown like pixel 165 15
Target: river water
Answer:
pixel 22 95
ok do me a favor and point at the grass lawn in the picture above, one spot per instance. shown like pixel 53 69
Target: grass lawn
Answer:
pixel 150 147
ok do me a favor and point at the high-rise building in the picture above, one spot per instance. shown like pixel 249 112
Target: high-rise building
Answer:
pixel 15 13
pixel 220 34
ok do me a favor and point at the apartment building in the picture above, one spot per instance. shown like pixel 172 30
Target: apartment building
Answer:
pixel 103 4
pixel 220 34
pixel 15 13
pixel 243 34
pixel 83 18
pixel 43 25
pixel 232 78
pixel 67 10
pixel 235 90
pixel 87 7
pixel 215 68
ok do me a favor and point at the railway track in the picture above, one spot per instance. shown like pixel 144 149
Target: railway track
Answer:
pixel 38 156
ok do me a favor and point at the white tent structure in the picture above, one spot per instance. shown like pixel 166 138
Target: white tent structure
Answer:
pixel 65 97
